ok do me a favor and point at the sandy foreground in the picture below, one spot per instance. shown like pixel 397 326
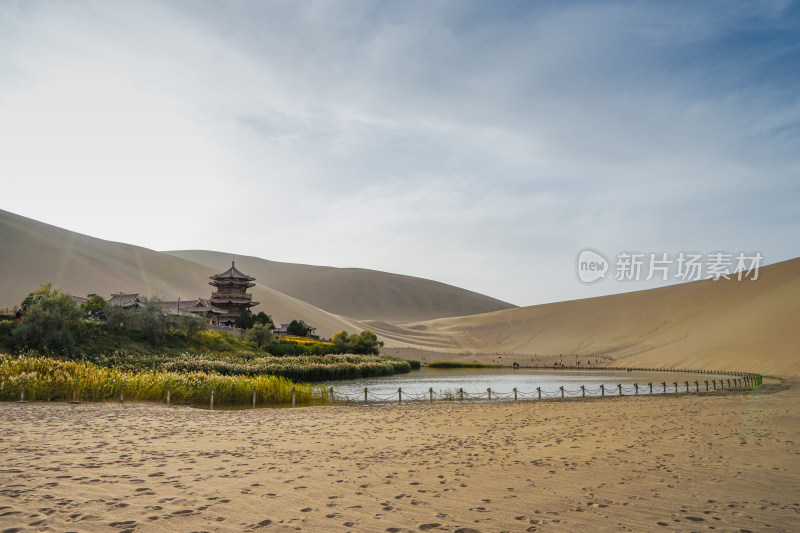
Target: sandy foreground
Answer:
pixel 727 462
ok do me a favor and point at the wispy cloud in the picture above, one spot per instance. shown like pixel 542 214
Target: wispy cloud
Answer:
pixel 478 144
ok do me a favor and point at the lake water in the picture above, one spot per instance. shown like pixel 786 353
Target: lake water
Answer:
pixel 446 383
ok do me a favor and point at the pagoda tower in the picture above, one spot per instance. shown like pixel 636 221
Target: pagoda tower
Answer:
pixel 231 294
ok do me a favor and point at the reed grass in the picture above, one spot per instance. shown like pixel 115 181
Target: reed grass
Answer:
pixel 300 368
pixel 51 379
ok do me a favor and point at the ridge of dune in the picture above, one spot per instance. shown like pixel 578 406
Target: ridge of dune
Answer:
pixel 356 292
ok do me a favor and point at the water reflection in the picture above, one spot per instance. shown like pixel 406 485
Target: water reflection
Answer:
pixel 502 381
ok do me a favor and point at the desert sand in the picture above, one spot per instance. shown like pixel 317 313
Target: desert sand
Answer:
pixel 725 462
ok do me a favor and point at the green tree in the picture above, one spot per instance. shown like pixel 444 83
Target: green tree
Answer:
pixel 298 328
pixel 44 290
pixel 150 320
pixel 364 343
pixel 118 318
pixel 96 306
pixel 264 318
pixel 340 341
pixel 50 324
pixel 259 334
pixel 193 325
pixel 245 320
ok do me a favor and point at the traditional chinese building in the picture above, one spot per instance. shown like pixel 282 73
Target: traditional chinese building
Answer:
pixel 231 294
pixel 200 307
pixel 194 308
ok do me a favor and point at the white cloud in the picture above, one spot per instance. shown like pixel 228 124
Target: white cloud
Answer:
pixel 478 145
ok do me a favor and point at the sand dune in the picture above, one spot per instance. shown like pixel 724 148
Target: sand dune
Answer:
pixel 747 325
pixel 32 253
pixel 356 292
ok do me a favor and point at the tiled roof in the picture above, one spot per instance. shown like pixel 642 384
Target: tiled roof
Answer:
pixel 234 273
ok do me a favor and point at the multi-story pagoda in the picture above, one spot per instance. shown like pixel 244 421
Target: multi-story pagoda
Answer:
pixel 231 294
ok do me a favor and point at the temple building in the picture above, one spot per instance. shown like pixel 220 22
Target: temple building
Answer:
pixel 199 308
pixel 231 295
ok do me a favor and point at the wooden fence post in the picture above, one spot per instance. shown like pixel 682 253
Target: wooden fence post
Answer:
pixel 293 397
pixel 489 391
pixel 211 404
pixel 461 394
pixel 330 395
pixel 562 392
pixel 430 393
pixel 651 388
pixel 515 394
pixel 365 396
pixel 169 389
pixel 602 390
pixel 399 395
pixel 539 390
pixel 636 389
pixel 664 385
pixel 706 385
pixel 254 396
pixel 22 392
pixel 697 387
pixel 687 386
pixel 74 392
pixel 619 388
pixel 676 388
pixel 121 392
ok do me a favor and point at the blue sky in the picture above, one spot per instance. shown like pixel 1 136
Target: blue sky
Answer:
pixel 483 144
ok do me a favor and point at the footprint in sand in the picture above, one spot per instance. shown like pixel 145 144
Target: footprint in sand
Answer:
pixel 127 524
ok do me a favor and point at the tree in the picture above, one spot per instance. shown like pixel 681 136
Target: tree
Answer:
pixel 364 343
pixel 264 318
pixel 149 318
pixel 96 306
pixel 44 290
pixel 298 328
pixel 193 325
pixel 118 318
pixel 259 334
pixel 50 324
pixel 340 341
pixel 245 320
